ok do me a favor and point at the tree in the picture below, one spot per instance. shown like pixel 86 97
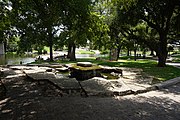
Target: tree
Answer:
pixel 157 14
pixel 103 12
pixel 5 22
pixel 43 19
pixel 76 22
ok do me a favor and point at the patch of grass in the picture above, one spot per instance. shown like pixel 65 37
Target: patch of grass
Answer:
pixel 126 57
pixel 176 58
pixel 132 57
pixel 46 49
pixel 85 52
pixel 11 53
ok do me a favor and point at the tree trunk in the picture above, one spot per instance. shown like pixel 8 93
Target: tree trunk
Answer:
pixel 118 52
pixel 2 51
pixel 135 54
pixel 144 54
pixel 162 60
pixel 50 43
pixel 152 53
pixel 51 52
pixel 113 54
pixel 71 51
pixel 5 46
pixel 162 51
pixel 128 52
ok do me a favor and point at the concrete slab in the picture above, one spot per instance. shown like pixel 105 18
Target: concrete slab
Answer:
pixel 40 75
pixel 167 83
pixel 66 83
pixel 19 67
pixel 98 86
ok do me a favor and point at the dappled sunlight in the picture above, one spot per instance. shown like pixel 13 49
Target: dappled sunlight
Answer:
pixel 147 107
pixel 26 99
pixel 22 100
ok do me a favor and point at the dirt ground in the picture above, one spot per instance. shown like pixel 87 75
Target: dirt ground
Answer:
pixel 28 100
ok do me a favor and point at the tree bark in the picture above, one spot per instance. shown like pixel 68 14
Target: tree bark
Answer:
pixel 128 52
pixel 71 51
pixel 162 50
pixel 50 43
pixel 51 52
pixel 152 53
pixel 5 46
pixel 135 54
pixel 118 52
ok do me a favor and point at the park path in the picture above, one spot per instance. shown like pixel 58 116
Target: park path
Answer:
pixel 174 64
pixel 26 100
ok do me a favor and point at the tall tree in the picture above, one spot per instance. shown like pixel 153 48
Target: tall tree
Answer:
pixel 5 22
pixel 77 22
pixel 46 18
pixel 37 18
pixel 157 14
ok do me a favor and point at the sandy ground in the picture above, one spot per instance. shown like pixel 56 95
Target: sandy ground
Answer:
pixel 28 100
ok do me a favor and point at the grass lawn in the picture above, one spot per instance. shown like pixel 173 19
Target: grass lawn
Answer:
pixel 149 67
pixel 176 59
pixel 84 52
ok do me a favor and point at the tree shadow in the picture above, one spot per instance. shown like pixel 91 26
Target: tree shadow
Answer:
pixel 172 89
pixel 27 100
pixel 92 108
pixel 22 100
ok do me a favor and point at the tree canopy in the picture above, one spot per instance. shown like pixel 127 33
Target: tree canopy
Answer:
pixel 158 15
pixel 105 24
pixel 40 21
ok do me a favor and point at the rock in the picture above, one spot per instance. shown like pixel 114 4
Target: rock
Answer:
pixel 66 83
pixel 84 73
pixel 97 86
pixel 68 65
pixel 84 64
pixel 7 71
pixel 20 76
pixel 111 69
pixel 40 75
pixel 34 71
pixel 49 70
pixel 55 66
pixel 23 67
pixel 62 69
